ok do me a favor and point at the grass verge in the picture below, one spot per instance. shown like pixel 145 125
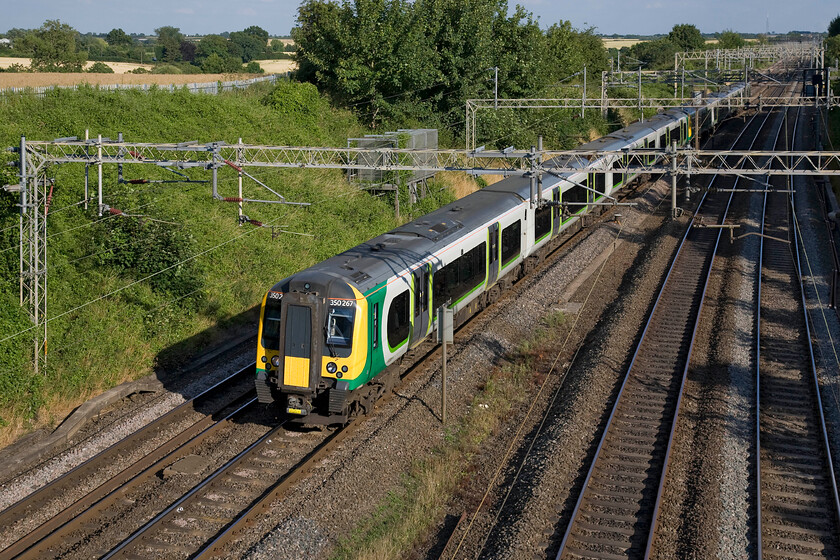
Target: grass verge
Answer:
pixel 409 512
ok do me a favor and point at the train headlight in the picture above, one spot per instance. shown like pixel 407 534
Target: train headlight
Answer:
pixel 331 367
pixel 264 359
pixel 275 361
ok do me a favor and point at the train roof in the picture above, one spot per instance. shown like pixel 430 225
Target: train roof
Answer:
pixel 369 264
pixel 373 262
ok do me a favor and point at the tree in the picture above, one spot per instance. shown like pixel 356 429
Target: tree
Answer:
pixel 421 59
pixel 258 33
pixel 254 67
pixel 834 27
pixel 169 39
pixel 728 39
pixel 217 64
pixel 570 50
pixel 188 50
pixel 832 49
pixel 100 68
pixel 656 54
pixel 118 38
pixel 248 47
pixel 686 37
pixel 54 48
pixel 209 45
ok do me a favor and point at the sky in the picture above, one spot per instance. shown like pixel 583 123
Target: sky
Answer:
pixel 642 17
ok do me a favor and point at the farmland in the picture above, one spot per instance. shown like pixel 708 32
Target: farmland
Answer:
pixel 37 79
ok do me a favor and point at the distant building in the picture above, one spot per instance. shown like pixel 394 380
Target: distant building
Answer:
pixel 6 43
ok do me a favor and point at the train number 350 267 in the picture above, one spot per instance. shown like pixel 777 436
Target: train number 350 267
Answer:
pixel 341 302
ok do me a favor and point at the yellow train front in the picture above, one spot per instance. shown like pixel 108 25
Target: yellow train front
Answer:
pixel 312 347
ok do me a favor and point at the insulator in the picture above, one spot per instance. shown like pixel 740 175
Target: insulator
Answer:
pixel 49 201
pixel 137 181
pixel 230 163
pixel 135 154
pixel 255 222
pixel 232 199
pixel 115 211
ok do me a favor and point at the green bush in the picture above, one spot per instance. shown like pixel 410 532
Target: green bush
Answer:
pixel 100 68
pixel 166 69
pixel 137 247
pixel 254 67
pixel 297 99
pixel 16 67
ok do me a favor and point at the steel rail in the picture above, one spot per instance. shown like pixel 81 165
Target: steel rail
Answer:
pixel 34 545
pixel 599 454
pixel 758 346
pixel 73 478
pixel 815 377
pixel 174 507
pixel 807 514
pixel 660 490
pixel 215 548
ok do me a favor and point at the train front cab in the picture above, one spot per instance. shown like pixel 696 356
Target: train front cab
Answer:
pixel 311 349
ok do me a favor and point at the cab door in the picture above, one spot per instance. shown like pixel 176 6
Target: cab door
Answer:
pixel 420 320
pixel 297 348
pixel 557 211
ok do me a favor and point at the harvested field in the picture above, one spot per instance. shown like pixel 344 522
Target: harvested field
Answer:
pixel 277 66
pixel 117 67
pixel 619 43
pixel 37 79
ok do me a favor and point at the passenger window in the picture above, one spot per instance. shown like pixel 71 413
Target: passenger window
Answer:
pixel 455 280
pixel 399 322
pixel 542 222
pixel 511 242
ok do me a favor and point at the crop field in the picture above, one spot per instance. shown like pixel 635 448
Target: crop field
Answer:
pixel 619 43
pixel 37 79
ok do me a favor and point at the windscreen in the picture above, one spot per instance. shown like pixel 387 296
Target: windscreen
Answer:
pixel 340 324
pixel 271 325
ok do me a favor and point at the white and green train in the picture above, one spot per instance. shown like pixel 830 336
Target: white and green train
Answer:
pixel 331 336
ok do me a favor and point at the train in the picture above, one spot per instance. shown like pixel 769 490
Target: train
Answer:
pixel 331 337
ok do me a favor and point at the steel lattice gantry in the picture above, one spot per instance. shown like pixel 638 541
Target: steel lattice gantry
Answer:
pixel 38 156
pixel 34 206
pixel 218 154
pixel 603 103
pixel 729 58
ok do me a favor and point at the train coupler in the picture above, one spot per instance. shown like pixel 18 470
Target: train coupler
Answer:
pixel 298 405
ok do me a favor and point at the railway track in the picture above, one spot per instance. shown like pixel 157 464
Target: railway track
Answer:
pixel 616 510
pixel 223 499
pixel 799 511
pixel 201 520
pixel 187 427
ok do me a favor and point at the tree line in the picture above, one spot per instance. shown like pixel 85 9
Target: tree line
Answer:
pixel 58 47
pixel 395 60
pixel 658 54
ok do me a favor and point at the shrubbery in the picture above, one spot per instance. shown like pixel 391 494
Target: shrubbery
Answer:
pixel 100 68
